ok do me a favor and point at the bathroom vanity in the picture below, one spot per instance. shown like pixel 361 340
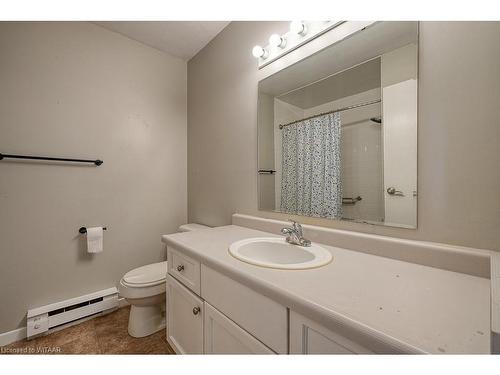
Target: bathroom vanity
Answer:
pixel 357 303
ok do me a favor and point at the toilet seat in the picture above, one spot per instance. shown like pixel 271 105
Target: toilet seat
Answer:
pixel 149 275
pixel 144 282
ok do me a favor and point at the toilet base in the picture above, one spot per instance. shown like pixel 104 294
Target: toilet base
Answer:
pixel 146 320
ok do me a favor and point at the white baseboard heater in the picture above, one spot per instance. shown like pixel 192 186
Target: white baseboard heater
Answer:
pixel 56 314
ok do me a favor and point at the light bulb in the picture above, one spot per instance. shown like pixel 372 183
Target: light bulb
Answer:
pixel 298 27
pixel 277 41
pixel 259 52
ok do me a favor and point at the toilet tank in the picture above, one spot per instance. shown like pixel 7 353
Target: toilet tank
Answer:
pixel 191 227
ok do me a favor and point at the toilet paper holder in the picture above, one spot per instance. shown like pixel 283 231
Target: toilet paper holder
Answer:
pixel 83 230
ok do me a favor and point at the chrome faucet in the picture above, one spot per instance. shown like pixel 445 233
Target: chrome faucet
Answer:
pixel 294 235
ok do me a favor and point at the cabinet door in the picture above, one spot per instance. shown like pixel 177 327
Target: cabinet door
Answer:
pixel 184 319
pixel 262 317
pixel 223 336
pixel 308 337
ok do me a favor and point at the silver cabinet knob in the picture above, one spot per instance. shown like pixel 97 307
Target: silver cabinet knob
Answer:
pixel 196 310
pixel 180 268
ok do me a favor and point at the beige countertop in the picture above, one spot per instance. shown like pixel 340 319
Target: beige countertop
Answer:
pixel 411 307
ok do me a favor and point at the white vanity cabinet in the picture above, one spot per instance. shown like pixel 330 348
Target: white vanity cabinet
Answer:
pixel 184 319
pixel 309 337
pixel 208 312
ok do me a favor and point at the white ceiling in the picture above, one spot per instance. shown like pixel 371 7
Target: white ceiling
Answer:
pixel 182 39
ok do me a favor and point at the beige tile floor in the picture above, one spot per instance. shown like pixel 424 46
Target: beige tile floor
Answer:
pixel 103 335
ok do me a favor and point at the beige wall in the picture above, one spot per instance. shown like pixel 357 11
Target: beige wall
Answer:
pixel 458 134
pixel 265 143
pixel 77 90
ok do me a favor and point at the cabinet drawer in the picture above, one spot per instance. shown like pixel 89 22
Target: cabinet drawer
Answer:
pixel 184 319
pixel 184 269
pixel 223 336
pixel 263 318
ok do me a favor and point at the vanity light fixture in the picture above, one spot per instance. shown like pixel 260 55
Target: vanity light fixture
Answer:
pixel 276 40
pixel 259 52
pixel 298 27
pixel 300 33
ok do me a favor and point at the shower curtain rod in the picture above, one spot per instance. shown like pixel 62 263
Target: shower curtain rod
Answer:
pixel 335 110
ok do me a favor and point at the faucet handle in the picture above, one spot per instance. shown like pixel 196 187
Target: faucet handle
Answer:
pixel 297 227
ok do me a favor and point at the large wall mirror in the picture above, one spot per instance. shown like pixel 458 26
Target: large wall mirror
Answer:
pixel 337 131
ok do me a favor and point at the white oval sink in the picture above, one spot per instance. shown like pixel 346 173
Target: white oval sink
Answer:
pixel 275 252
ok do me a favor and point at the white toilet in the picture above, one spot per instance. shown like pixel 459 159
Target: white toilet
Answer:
pixel 145 289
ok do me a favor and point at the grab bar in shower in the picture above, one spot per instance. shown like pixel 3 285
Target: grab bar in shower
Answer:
pixel 266 171
pixel 351 201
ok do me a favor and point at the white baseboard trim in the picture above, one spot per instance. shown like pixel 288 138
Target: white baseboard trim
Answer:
pixel 7 338
pixel 12 336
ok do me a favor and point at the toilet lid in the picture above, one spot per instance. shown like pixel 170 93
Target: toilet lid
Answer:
pixel 147 275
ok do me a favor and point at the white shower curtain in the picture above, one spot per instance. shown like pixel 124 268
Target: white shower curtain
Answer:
pixel 310 180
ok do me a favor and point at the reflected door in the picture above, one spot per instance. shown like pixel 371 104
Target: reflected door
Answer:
pixel 400 153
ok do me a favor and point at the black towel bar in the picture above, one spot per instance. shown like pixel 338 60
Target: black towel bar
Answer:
pixel 11 156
